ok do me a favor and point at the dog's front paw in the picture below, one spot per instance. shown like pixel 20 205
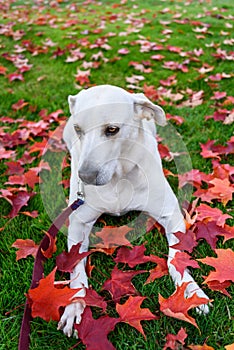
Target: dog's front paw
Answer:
pixel 192 289
pixel 72 314
pixel 203 309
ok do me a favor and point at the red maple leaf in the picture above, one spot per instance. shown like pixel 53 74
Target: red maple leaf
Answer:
pixel 160 270
pixel 222 189
pixel 15 76
pixel 220 287
pixel 218 95
pixel 178 306
pixel 222 171
pixel 130 312
pixel 39 147
pixel 26 247
pixel 14 167
pixel 133 256
pixel 204 211
pixel 150 92
pixel 209 231
pixel 120 283
pixel 31 178
pixel 113 236
pixel 46 299
pixel 182 260
pixel 193 177
pixel 173 341
pixel 19 105
pixel 3 70
pixel 19 200
pixel 187 241
pixel 207 151
pixel 171 80
pixel 67 261
pixel 92 298
pixel 93 332
pixel 223 264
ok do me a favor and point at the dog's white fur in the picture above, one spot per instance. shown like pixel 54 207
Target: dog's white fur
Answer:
pixel 121 173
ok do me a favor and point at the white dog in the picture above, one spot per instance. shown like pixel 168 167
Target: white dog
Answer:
pixel 111 137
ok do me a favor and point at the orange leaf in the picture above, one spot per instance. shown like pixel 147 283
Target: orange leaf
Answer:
pixel 46 299
pixel 178 306
pixel 131 313
pixel 160 270
pixel 223 189
pixel 200 347
pixel 223 264
pixel 113 236
pixel 229 347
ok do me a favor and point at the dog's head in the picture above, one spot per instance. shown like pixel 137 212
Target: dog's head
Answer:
pixel 108 120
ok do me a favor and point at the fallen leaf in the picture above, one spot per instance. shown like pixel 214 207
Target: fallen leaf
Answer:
pixel 133 256
pixel 26 247
pixel 182 260
pixel 209 231
pixel 201 347
pixel 120 283
pixel 67 261
pixel 222 189
pixel 160 270
pixel 178 306
pixel 93 332
pixel 204 211
pixel 46 299
pixel 218 95
pixel 113 236
pixel 229 347
pixel 130 312
pixel 19 200
pixel 220 287
pixel 187 241
pixel 19 105
pixel 173 341
pixel 223 264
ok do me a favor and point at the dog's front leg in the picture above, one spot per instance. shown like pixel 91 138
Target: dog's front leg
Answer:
pixel 81 222
pixel 171 218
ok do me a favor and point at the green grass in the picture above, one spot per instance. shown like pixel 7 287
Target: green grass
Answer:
pixel 217 328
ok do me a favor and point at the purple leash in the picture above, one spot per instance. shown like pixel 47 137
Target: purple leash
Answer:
pixel 38 270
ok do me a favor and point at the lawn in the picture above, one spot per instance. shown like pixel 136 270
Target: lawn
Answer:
pixel 180 55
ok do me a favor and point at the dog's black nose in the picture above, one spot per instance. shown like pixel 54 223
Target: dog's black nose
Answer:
pixel 89 177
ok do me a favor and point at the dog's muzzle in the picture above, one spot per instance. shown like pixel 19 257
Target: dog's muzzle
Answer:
pixel 89 177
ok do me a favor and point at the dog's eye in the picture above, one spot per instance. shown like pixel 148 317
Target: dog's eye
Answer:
pixel 111 130
pixel 77 130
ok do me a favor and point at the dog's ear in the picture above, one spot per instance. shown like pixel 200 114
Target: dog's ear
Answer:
pixel 144 108
pixel 71 102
